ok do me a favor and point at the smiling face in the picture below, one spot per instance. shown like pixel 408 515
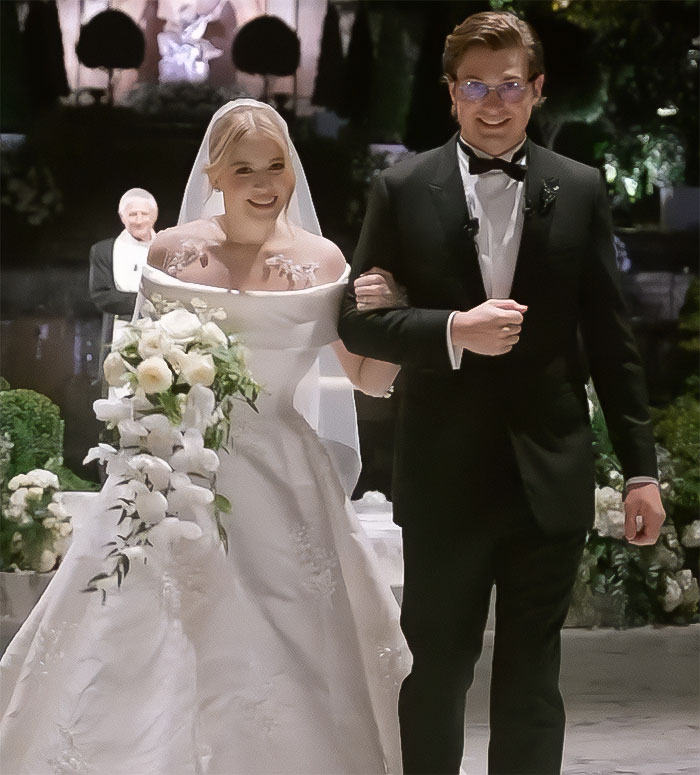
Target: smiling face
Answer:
pixel 138 217
pixel 490 124
pixel 256 178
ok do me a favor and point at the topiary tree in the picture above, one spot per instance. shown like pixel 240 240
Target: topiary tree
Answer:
pixel 266 46
pixel 329 74
pixel 111 40
pixel 32 423
pixel 359 67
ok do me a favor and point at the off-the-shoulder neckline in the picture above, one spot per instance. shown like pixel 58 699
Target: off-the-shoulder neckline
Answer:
pixel 245 292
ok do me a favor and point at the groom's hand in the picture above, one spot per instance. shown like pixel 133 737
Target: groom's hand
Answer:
pixel 644 514
pixel 492 328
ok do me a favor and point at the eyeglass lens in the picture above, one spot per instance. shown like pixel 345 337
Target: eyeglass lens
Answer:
pixel 510 91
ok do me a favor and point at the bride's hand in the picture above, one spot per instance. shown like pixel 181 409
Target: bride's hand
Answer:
pixel 377 289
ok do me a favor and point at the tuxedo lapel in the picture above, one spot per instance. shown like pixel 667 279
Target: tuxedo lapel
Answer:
pixel 450 202
pixel 530 263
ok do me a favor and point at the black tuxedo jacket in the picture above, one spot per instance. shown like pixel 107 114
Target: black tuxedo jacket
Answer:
pixel 451 422
pixel 103 292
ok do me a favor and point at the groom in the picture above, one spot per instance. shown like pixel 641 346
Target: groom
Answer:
pixel 506 252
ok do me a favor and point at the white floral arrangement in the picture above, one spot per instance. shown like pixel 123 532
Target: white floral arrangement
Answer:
pixel 181 374
pixel 36 526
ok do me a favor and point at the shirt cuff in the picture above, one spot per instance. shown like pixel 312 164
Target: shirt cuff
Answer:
pixel 454 353
pixel 642 480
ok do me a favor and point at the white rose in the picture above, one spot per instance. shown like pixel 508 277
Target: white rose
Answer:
pixel 115 370
pixel 212 335
pixel 154 342
pixel 43 478
pixel 49 522
pixel 691 534
pixel 180 325
pixel 154 375
pixel 197 369
pixel 46 561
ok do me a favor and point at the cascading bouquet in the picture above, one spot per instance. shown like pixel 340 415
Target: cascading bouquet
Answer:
pixel 178 375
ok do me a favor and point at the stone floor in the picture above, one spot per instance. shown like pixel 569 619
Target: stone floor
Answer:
pixel 632 700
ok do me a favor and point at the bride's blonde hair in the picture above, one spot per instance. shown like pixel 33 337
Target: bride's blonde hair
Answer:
pixel 233 126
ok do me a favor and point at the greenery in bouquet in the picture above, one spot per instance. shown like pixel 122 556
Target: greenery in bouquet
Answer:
pixel 180 377
pixel 35 527
pixel 622 585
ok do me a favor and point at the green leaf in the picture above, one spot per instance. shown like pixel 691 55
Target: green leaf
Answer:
pixel 222 503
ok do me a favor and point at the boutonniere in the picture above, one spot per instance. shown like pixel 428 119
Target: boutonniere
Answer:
pixel 548 195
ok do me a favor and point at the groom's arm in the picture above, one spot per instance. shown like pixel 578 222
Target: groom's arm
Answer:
pixel 615 365
pixel 407 336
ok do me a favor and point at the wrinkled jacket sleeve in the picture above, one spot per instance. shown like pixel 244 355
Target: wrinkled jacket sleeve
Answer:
pixel 409 336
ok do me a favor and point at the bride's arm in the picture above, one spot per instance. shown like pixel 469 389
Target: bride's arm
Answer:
pixel 370 376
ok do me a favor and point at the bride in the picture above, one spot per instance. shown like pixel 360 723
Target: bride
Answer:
pixel 284 656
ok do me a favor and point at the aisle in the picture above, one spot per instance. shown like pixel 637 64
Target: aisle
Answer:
pixel 631 698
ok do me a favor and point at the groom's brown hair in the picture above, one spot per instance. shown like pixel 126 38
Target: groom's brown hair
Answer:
pixel 495 30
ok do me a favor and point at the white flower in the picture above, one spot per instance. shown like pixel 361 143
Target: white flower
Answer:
pixel 18 499
pixel 180 325
pixel 151 506
pixel 64 529
pixel 689 586
pixel 49 522
pixel 112 410
pixel 691 534
pixel 101 452
pixel 673 596
pixel 172 529
pixel 212 335
pixel 37 477
pixel 58 510
pixel 46 561
pixel 198 408
pixel 194 457
pixel 16 541
pixel 195 368
pixel 35 493
pixel 610 513
pixel 131 432
pixel 162 436
pixel 154 375
pixel 115 370
pixel 157 470
pixel 189 501
pixel 154 342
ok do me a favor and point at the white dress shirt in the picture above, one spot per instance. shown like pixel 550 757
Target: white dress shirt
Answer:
pixel 496 200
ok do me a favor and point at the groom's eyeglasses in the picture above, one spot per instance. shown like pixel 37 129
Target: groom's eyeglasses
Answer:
pixel 508 91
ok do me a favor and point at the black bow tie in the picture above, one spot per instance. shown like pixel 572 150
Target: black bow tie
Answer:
pixel 477 165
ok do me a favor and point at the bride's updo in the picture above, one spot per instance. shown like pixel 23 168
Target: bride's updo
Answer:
pixel 233 126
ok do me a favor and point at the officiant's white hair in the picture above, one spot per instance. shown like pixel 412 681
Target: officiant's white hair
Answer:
pixel 136 193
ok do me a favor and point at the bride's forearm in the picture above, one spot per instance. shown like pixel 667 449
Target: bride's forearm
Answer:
pixel 367 374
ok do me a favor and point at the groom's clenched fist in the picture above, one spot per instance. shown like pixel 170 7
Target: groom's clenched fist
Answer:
pixel 492 328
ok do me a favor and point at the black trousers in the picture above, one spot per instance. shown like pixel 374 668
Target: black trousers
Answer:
pixel 448 577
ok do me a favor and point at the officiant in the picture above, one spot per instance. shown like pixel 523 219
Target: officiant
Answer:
pixel 116 263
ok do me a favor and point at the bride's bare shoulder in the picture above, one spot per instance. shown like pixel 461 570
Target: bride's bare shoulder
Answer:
pixel 329 257
pixel 183 244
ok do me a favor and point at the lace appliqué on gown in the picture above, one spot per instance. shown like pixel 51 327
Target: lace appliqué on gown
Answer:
pixel 190 251
pixel 320 564
pixel 71 761
pixel 298 275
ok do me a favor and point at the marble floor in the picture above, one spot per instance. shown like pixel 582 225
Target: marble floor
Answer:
pixel 632 700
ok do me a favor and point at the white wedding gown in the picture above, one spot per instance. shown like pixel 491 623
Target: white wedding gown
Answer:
pixel 284 656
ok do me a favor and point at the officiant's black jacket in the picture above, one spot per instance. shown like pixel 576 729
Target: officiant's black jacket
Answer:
pixel 453 424
pixel 103 291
